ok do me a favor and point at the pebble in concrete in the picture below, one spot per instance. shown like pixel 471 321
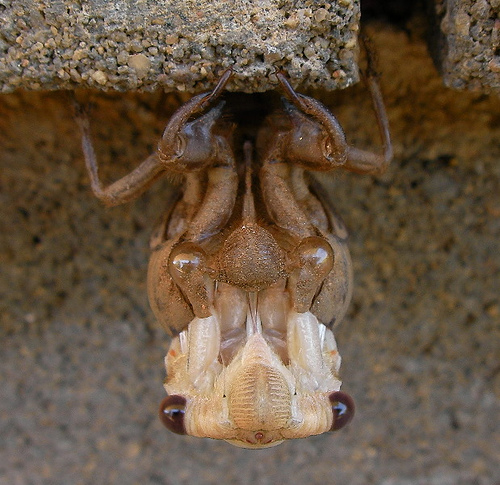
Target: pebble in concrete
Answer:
pixel 468 44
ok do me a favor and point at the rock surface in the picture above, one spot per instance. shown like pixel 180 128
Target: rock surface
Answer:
pixel 467 43
pixel 176 44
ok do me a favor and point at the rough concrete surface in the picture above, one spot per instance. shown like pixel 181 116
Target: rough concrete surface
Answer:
pixel 81 358
pixel 468 43
pixel 175 44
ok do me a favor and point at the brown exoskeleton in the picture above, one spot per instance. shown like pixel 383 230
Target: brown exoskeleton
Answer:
pixel 250 269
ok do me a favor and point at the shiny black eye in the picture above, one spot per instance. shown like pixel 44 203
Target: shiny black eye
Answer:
pixel 172 413
pixel 343 409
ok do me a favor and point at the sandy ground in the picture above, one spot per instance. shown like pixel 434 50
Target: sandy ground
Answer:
pixel 81 356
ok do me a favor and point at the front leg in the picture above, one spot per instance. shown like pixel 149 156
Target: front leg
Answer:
pixel 219 198
pixel 128 187
pixel 185 146
pixel 316 140
pixel 280 202
pixel 362 161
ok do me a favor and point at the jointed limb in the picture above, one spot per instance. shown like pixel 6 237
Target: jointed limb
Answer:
pixel 127 188
pixel 362 161
pixel 316 140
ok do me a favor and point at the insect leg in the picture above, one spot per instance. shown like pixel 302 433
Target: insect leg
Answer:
pixel 362 161
pixel 128 187
pixel 219 198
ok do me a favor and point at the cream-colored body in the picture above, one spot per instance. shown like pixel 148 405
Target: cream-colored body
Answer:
pixel 255 399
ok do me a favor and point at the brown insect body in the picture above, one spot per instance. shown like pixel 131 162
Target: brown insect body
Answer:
pixel 250 269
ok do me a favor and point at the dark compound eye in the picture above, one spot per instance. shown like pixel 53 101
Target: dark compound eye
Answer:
pixel 172 413
pixel 343 409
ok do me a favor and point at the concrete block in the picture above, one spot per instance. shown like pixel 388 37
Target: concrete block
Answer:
pixel 176 44
pixel 467 44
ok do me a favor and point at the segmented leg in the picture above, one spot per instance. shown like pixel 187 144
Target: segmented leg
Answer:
pixel 362 161
pixel 128 187
pixel 325 148
pixel 185 146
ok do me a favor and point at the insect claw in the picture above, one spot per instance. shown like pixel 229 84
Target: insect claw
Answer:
pixel 277 71
pixel 371 59
pixel 221 85
pixel 289 92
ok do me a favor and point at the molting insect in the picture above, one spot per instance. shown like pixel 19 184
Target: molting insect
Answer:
pixel 250 269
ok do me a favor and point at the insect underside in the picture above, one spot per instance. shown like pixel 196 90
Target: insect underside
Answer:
pixel 250 269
